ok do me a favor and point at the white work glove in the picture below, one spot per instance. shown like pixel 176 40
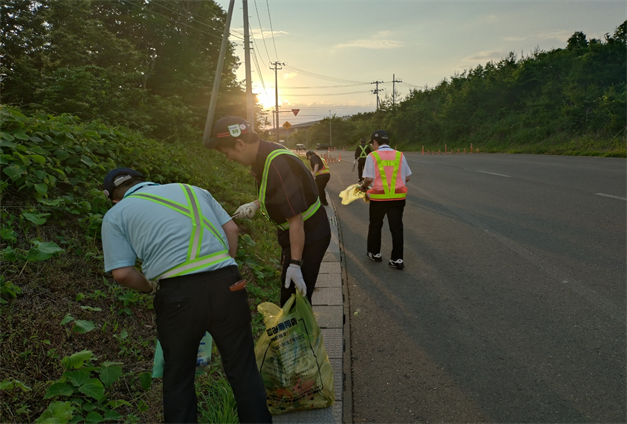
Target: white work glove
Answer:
pixel 154 285
pixel 295 274
pixel 246 211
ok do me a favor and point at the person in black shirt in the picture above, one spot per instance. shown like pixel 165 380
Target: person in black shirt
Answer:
pixel 287 195
pixel 361 153
pixel 321 174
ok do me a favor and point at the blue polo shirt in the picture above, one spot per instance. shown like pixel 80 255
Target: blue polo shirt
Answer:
pixel 158 235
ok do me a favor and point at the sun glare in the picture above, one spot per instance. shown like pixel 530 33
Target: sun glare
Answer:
pixel 265 100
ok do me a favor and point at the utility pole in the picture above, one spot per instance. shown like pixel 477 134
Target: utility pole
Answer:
pixel 376 91
pixel 276 95
pixel 216 80
pixel 330 131
pixel 250 106
pixel 394 81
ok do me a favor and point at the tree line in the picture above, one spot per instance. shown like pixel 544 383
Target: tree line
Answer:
pixel 145 65
pixel 568 100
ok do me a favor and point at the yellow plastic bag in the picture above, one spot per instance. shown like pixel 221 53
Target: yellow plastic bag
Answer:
pixel 352 193
pixel 292 359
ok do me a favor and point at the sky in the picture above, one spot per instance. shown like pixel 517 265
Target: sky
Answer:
pixel 333 51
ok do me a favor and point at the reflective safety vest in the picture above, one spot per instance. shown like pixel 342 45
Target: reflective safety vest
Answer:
pixel 388 182
pixel 192 210
pixel 324 169
pixel 263 188
pixel 363 153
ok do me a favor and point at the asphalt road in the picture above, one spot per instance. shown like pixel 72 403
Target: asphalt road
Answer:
pixel 512 305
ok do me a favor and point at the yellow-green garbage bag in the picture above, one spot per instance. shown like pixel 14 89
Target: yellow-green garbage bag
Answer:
pixel 352 193
pixel 292 359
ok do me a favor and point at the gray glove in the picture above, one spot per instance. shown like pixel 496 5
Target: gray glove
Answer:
pixel 295 274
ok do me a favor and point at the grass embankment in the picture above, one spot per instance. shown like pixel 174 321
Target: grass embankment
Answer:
pixel 56 299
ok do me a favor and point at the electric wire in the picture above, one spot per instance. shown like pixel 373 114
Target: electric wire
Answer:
pixel 331 94
pixel 323 77
pixel 272 31
pixel 262 35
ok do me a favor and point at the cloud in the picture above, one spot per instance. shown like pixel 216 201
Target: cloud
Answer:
pixel 371 44
pixel 486 56
pixel 290 75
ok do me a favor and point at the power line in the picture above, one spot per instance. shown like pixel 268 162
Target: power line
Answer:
pixel 327 86
pixel 331 94
pixel 272 30
pixel 262 35
pixel 323 77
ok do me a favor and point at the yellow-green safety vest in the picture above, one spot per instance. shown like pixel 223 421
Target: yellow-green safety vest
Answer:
pixel 363 153
pixel 192 210
pixel 263 187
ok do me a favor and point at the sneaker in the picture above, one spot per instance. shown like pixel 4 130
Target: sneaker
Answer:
pixel 398 264
pixel 376 257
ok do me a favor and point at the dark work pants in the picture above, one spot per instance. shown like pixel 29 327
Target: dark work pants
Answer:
pixel 313 253
pixel 186 307
pixel 321 182
pixel 394 210
pixel 361 162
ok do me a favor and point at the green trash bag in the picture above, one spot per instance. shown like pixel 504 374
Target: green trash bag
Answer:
pixel 292 359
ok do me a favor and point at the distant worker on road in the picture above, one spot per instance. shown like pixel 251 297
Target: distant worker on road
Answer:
pixel 361 153
pixel 387 170
pixel 186 241
pixel 321 174
pixel 288 197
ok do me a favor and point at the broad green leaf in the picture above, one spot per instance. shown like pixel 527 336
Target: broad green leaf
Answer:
pixel 79 297
pixel 6 159
pixel 77 378
pixel 57 413
pixel 43 251
pixel 40 174
pixel 41 188
pixel 145 379
pixel 112 416
pixel 77 360
pixel 88 406
pixel 61 154
pixel 82 327
pixel 6 138
pixel 8 254
pixel 37 158
pixel 35 218
pixel 14 172
pixel 93 388
pixel 7 234
pixel 94 417
pixel 59 389
pixel 67 318
pixel 87 161
pixel 108 375
pixel 20 135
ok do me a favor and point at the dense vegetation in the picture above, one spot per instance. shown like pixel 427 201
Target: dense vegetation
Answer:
pixel 148 66
pixel 75 345
pixel 563 101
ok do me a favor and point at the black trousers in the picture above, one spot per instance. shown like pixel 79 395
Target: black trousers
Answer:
pixel 186 307
pixel 361 162
pixel 394 211
pixel 321 182
pixel 313 253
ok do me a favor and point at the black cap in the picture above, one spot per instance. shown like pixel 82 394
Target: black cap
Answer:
pixel 380 136
pixel 362 140
pixel 309 153
pixel 230 128
pixel 116 177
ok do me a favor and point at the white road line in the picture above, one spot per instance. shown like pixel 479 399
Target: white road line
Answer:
pixel 493 173
pixel 609 195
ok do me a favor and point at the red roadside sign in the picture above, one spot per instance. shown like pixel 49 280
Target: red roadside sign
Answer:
pixel 295 111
